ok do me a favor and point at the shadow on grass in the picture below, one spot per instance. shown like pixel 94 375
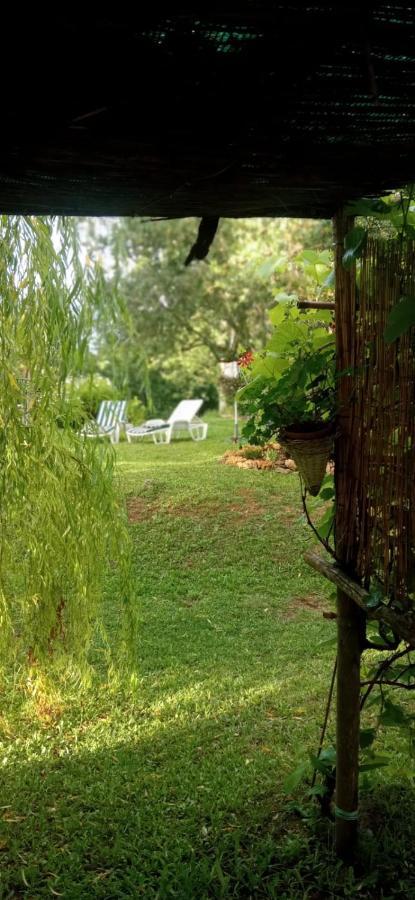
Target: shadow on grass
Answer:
pixel 144 818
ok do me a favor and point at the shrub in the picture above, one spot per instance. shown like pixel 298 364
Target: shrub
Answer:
pixel 90 391
pixel 250 452
pixel 166 393
pixel 136 411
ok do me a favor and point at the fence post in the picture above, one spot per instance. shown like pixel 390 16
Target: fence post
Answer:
pixel 350 619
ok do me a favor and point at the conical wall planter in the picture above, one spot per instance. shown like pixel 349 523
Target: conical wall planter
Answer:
pixel 311 452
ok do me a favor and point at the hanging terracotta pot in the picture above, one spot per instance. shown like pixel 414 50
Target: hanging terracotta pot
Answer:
pixel 310 446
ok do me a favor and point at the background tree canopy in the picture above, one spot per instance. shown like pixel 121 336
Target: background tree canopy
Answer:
pixel 183 321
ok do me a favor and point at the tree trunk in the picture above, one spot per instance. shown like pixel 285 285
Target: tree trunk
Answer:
pixel 223 402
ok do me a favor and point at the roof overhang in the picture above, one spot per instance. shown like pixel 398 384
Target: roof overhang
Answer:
pixel 261 109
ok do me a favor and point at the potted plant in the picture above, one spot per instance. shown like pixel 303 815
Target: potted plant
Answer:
pixel 290 393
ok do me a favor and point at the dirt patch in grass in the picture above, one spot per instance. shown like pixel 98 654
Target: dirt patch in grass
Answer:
pixel 48 713
pixel 140 510
pixel 288 514
pixel 207 509
pixel 248 508
pixel 211 509
pixel 246 513
pixel 312 602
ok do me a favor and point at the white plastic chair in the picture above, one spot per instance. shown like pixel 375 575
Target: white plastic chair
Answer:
pixel 183 419
pixel 109 421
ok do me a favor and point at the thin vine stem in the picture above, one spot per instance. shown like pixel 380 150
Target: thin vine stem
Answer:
pixel 326 717
pixel 378 680
pixel 325 543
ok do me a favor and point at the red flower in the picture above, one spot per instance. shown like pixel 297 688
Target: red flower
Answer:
pixel 246 359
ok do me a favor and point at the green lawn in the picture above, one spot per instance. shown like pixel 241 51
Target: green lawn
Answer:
pixel 175 789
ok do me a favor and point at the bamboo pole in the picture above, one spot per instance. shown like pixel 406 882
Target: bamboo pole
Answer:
pixel 350 619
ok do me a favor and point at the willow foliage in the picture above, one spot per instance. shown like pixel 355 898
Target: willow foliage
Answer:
pixel 62 531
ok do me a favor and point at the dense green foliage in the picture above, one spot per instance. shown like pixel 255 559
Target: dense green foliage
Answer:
pixel 91 390
pixel 292 381
pixel 185 320
pixel 60 517
pixel 175 789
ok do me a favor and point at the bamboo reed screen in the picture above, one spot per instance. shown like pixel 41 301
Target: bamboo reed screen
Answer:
pixel 381 439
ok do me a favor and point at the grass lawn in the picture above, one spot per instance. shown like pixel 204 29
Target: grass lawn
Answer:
pixel 176 789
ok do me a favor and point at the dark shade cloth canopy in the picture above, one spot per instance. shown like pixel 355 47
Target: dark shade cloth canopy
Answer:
pixel 241 109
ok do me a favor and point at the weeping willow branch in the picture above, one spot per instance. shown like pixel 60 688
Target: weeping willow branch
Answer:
pixel 60 519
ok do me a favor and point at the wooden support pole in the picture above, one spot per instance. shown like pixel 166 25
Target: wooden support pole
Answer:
pixel 401 623
pixel 348 725
pixel 315 304
pixel 350 619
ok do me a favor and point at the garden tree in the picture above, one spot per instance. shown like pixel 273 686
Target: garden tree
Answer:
pixel 60 520
pixel 186 320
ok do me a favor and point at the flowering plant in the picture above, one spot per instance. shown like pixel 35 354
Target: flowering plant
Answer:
pixel 291 383
pixel 246 359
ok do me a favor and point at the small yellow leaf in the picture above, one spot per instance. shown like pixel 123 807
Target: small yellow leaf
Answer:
pixel 13 381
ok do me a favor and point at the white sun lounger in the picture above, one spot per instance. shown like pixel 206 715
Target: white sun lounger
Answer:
pixel 109 421
pixel 183 419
